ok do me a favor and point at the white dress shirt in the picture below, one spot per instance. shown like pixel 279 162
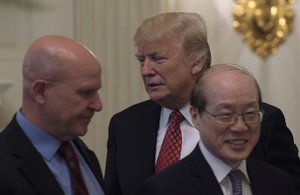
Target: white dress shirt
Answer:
pixel 190 135
pixel 221 171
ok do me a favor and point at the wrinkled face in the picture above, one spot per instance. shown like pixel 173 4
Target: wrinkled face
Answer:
pixel 167 77
pixel 228 93
pixel 72 101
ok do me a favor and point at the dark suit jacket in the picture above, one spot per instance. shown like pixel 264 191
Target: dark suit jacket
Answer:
pixel 132 142
pixel 193 176
pixel 22 169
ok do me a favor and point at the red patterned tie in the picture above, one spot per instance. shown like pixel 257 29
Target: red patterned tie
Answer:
pixel 69 155
pixel 171 147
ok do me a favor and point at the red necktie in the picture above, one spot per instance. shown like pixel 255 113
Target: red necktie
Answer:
pixel 69 155
pixel 171 147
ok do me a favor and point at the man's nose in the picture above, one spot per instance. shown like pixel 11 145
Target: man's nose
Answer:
pixel 96 103
pixel 148 67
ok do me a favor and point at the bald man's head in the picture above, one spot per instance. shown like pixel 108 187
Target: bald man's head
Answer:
pixel 45 54
pixel 61 82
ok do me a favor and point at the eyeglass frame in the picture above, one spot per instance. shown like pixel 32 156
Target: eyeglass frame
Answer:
pixel 234 117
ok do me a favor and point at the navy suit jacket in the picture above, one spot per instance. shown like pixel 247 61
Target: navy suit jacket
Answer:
pixel 193 176
pixel 22 169
pixel 132 143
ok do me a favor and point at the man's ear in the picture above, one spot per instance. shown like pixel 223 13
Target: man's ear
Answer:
pixel 38 89
pixel 197 66
pixel 194 113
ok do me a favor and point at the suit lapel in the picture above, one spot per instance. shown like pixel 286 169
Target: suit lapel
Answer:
pixel 146 130
pixel 132 140
pixel 204 179
pixel 39 175
pixel 258 185
pixel 29 161
pixel 91 160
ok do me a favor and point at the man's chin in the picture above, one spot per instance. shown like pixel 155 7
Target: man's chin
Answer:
pixel 157 96
pixel 82 131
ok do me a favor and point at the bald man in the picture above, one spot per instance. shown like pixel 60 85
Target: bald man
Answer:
pixel 61 79
pixel 226 109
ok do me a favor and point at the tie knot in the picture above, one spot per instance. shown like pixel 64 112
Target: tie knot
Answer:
pixel 66 150
pixel 176 117
pixel 235 174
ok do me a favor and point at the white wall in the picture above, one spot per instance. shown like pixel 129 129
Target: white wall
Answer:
pixel 22 22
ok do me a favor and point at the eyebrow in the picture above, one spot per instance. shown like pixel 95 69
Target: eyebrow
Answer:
pixel 148 54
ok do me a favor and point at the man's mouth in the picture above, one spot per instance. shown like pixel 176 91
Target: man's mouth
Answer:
pixel 237 141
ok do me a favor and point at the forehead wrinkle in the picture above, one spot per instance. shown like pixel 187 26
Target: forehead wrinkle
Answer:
pixel 252 103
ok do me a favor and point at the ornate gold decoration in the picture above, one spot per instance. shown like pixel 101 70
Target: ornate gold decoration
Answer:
pixel 263 23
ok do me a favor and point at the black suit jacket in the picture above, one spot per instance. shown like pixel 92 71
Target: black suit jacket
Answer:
pixel 22 169
pixel 193 176
pixel 132 142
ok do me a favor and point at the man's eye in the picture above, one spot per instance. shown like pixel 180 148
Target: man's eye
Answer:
pixel 159 59
pixel 251 114
pixel 141 60
pixel 86 92
pixel 225 115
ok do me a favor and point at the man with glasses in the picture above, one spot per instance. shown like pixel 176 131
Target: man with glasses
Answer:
pixel 229 118
pixel 226 109
pixel 173 52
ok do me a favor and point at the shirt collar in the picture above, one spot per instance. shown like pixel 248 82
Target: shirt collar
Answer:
pixel 185 111
pixel 43 142
pixel 220 168
pixel 243 168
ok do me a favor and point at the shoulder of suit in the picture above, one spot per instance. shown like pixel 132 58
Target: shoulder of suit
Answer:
pixel 147 105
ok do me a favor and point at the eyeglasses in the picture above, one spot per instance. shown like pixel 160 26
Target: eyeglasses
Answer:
pixel 229 119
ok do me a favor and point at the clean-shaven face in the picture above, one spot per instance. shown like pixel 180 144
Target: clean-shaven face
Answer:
pixel 229 92
pixel 74 99
pixel 165 73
